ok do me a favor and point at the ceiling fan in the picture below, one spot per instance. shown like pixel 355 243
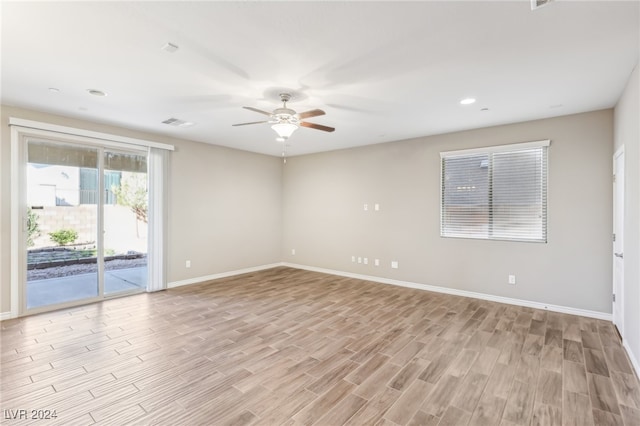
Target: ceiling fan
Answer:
pixel 285 121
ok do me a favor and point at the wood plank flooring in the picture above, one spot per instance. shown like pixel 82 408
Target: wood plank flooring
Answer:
pixel 293 347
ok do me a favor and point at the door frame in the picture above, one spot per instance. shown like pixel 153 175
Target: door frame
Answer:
pixel 617 309
pixel 19 139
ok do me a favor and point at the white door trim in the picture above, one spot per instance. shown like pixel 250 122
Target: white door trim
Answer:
pixel 618 275
pixel 17 153
pixel 104 138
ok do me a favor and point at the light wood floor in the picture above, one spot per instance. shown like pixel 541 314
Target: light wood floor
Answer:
pixel 286 346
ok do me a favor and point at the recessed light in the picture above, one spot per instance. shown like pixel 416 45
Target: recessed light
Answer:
pixel 467 101
pixel 54 89
pixel 96 92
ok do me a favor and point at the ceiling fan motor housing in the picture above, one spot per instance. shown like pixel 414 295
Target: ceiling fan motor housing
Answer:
pixel 285 115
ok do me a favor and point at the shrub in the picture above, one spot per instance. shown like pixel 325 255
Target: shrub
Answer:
pixel 33 229
pixel 63 236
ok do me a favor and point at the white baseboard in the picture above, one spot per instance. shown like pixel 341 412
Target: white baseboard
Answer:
pixel 198 280
pixel 5 316
pixel 464 293
pixel 634 360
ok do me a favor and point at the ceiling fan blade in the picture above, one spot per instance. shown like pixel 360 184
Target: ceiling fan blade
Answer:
pixel 312 113
pixel 253 122
pixel 257 110
pixel 317 126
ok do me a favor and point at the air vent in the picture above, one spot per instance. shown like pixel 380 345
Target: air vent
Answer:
pixel 536 4
pixel 170 47
pixel 176 122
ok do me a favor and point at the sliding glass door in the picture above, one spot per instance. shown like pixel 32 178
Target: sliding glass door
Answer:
pixel 86 223
pixel 62 223
pixel 125 222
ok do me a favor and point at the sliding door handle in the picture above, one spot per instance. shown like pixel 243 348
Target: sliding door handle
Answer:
pixel 620 255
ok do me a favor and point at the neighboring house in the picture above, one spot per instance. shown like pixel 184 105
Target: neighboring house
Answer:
pixel 53 185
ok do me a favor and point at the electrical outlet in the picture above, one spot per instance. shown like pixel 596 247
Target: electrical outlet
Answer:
pixel 512 279
pixel 293 252
pixel 366 207
pixel 353 259
pixel 366 261
pixel 376 207
pixel 359 259
pixel 187 264
pixel 376 262
pixel 394 264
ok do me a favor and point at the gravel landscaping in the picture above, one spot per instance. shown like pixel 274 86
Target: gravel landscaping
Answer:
pixel 83 268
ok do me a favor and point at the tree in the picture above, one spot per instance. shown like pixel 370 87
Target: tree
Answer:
pixel 33 229
pixel 132 193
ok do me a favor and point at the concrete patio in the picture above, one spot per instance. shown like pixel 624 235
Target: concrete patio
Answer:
pixel 76 287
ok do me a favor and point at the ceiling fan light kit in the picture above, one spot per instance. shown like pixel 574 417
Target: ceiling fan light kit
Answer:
pixel 284 121
pixel 284 129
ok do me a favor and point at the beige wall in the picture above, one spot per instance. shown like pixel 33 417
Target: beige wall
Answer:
pixel 225 210
pixel 231 209
pixel 325 223
pixel 224 204
pixel 627 134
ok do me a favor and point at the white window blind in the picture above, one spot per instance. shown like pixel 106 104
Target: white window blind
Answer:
pixel 497 193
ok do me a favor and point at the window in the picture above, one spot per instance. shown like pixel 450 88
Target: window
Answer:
pixel 497 193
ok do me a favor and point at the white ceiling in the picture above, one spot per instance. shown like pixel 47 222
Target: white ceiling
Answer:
pixel 382 71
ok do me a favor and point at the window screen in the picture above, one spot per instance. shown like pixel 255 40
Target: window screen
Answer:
pixel 495 193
